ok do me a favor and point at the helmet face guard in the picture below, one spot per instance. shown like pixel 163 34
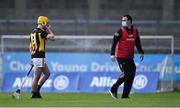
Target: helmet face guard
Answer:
pixel 42 20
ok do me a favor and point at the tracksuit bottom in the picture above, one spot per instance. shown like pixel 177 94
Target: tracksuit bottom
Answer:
pixel 128 69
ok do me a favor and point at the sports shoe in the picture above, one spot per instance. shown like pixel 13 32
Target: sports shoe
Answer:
pixel 36 95
pixel 39 95
pixel 113 94
pixel 125 97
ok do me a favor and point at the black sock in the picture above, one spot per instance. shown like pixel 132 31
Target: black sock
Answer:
pixel 33 92
pixel 38 88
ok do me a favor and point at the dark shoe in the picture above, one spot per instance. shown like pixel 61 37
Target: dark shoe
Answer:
pixel 113 94
pixel 125 97
pixel 36 95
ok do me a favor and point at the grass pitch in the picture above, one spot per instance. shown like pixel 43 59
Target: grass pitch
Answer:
pixel 171 99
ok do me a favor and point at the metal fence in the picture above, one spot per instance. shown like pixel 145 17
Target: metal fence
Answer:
pixel 93 27
pixel 82 43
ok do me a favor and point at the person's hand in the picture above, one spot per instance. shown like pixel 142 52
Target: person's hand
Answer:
pixel 50 35
pixel 113 57
pixel 141 57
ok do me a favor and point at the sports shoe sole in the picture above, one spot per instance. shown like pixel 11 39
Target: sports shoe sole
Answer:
pixel 112 95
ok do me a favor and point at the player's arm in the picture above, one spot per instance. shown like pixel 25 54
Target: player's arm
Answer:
pixel 139 47
pixel 30 47
pixel 50 35
pixel 117 36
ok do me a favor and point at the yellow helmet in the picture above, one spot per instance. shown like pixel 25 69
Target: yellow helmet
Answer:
pixel 42 20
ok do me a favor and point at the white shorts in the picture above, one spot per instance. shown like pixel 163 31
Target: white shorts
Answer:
pixel 38 62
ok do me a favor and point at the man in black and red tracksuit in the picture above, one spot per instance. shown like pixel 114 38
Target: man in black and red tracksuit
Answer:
pixel 126 38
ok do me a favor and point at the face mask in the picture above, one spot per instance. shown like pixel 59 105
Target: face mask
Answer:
pixel 124 24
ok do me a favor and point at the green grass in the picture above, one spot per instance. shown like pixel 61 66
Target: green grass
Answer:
pixel 171 99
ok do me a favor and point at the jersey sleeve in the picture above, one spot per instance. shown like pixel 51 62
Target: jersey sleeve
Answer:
pixel 44 34
pixel 138 44
pixel 117 36
pixel 118 33
pixel 30 38
pixel 137 32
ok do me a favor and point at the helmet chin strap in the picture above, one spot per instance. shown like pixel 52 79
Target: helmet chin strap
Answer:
pixel 41 27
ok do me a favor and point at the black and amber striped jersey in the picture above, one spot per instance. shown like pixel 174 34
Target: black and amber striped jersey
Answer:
pixel 37 41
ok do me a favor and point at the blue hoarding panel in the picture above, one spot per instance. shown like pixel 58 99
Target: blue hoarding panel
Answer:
pixel 101 82
pixel 59 82
pixel 82 82
pixel 97 82
pixel 145 82
pixel 65 82
pixel 12 81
